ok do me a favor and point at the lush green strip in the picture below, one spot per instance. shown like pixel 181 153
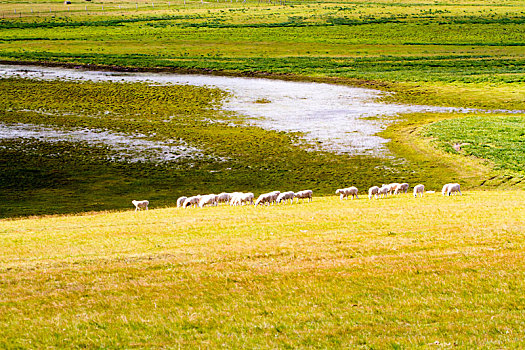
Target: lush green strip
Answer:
pixel 96 23
pixel 473 69
pixel 499 139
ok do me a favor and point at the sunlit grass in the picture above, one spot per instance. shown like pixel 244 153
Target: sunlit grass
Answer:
pixel 401 271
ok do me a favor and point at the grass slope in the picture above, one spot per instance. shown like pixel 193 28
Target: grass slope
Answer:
pixel 393 273
pixel 498 139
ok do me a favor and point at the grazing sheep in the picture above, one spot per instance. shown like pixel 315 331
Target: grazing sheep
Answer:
pixel 373 191
pixel 304 194
pixel 451 188
pixel 402 188
pixel 345 192
pixel 239 198
pixel 248 198
pixel 419 189
pixel 236 198
pixel 383 191
pixel 392 188
pixel 180 201
pixel 191 201
pixel 224 197
pixel 233 197
pixel 264 198
pixel 140 204
pixel 267 198
pixel 209 199
pixel 285 196
pixel 341 192
pixel 274 196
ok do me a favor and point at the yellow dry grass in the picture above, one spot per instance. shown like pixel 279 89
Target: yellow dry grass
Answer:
pixel 365 273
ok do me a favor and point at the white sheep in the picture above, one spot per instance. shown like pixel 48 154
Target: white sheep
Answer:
pixel 180 201
pixel 289 195
pixel 345 192
pixel 191 201
pixel 239 198
pixel 373 191
pixel 451 188
pixel 224 197
pixel 419 189
pixel 209 199
pixel 274 195
pixel 352 191
pixel 392 188
pixel 233 197
pixel 140 204
pixel 248 198
pixel 264 198
pixel 267 198
pixel 401 188
pixel 383 191
pixel 304 194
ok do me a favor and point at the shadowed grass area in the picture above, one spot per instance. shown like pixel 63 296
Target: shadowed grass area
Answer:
pixel 40 177
pixel 399 272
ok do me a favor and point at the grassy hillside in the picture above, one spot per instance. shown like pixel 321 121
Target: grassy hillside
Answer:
pixel 393 273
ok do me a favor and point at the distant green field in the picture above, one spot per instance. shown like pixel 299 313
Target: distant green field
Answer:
pixel 465 53
pixel 498 139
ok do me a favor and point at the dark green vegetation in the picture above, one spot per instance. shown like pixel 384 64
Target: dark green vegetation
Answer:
pixel 462 53
pixel 498 139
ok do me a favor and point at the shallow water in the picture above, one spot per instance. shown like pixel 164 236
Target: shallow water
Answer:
pixel 336 118
pixel 130 148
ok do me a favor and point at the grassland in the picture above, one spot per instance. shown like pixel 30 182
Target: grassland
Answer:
pixel 463 53
pixel 394 273
pixel 497 139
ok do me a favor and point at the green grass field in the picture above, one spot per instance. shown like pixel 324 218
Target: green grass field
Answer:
pixel 463 53
pixel 392 273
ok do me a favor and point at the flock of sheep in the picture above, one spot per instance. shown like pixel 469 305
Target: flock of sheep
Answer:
pixel 241 198
pixel 394 189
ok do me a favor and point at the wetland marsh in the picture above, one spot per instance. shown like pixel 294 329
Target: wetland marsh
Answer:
pixel 97 139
